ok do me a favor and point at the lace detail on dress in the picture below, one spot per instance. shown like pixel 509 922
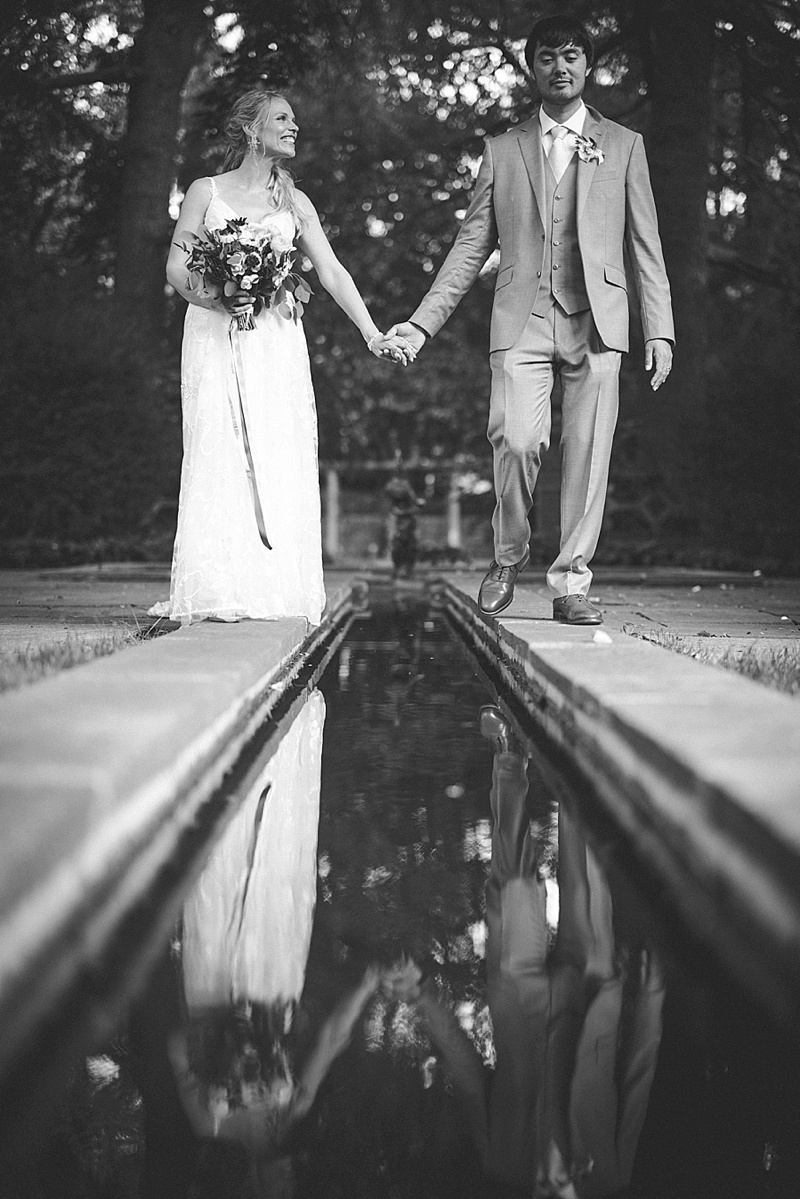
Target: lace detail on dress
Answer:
pixel 247 921
pixel 220 568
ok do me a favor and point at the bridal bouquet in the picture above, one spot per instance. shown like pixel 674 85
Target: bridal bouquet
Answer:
pixel 249 258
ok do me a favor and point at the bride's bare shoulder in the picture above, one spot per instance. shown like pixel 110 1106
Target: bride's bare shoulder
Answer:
pixel 200 189
pixel 304 203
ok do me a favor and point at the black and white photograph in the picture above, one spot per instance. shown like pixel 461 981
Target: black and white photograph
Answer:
pixel 400 599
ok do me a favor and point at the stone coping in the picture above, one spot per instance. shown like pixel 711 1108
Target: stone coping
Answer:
pixel 698 767
pixel 104 768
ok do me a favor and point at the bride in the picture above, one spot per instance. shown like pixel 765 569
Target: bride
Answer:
pixel 248 541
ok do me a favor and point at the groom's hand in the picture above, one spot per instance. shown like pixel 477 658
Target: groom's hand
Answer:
pixel 414 336
pixel 658 354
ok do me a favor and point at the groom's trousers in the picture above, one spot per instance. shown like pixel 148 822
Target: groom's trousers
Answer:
pixel 550 347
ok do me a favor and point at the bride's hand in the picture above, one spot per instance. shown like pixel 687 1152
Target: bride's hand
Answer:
pixel 239 303
pixel 396 348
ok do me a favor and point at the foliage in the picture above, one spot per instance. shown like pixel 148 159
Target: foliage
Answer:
pixel 88 436
pixel 32 663
pixel 59 147
pixel 775 665
pixel 750 437
pixel 393 101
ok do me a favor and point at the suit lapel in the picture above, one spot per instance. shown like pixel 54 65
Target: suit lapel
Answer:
pixel 529 137
pixel 594 127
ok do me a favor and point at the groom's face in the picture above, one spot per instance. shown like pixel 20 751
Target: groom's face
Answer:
pixel 560 73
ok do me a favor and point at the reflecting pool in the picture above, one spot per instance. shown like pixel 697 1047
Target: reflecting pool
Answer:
pixel 416 964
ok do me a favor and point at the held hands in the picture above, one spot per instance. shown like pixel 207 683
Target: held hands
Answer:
pixel 410 334
pixel 658 354
pixel 388 345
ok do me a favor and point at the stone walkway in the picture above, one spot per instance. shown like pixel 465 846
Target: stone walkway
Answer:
pixel 706 760
pixel 113 779
pixel 36 606
pixel 698 767
pixel 703 608
pixel 697 606
pixel 44 607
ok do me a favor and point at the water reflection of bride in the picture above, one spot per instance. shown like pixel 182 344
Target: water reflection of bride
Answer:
pixel 243 1074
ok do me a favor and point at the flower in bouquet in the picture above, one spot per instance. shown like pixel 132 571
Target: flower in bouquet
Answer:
pixel 240 257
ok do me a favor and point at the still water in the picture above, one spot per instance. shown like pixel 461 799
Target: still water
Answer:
pixel 416 965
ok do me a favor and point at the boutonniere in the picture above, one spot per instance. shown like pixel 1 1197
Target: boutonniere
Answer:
pixel 588 149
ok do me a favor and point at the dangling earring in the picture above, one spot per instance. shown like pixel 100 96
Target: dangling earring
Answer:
pixel 252 142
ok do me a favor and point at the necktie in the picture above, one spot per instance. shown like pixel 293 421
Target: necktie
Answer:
pixel 560 152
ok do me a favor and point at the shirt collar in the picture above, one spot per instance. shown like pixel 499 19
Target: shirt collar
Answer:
pixel 575 122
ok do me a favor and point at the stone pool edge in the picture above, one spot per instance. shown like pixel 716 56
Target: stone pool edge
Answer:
pixel 91 821
pixel 698 768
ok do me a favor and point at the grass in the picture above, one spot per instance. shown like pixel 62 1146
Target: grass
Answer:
pixel 776 666
pixel 31 663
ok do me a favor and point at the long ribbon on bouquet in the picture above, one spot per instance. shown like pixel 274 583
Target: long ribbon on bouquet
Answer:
pixel 240 428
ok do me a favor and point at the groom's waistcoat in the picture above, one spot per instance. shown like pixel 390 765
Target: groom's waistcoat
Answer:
pixel 561 277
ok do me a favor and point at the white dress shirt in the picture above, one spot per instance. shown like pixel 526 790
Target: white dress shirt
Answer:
pixel 575 123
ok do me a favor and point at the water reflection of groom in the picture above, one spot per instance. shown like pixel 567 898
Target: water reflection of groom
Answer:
pixel 574 1069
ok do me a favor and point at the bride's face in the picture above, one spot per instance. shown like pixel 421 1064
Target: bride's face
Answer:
pixel 277 130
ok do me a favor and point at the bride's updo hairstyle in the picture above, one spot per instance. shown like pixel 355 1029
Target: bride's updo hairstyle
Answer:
pixel 240 129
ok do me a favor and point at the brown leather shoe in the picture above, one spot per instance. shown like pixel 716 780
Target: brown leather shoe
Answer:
pixel 575 609
pixel 497 588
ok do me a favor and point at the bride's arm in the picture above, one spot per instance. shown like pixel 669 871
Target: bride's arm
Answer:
pixel 337 280
pixel 192 214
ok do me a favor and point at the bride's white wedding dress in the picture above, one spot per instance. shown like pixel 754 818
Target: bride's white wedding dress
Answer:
pixel 220 567
pixel 247 922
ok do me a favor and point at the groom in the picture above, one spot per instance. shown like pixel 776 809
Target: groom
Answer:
pixel 567 195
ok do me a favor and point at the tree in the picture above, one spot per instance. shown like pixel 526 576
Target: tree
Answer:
pixel 394 100
pixel 165 50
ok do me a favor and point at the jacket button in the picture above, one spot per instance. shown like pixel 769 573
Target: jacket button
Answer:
pixel 538 274
pixel 555 266
pixel 542 237
pixel 556 243
pixel 558 197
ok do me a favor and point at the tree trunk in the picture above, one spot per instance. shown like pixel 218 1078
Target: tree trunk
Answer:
pixel 679 90
pixel 165 51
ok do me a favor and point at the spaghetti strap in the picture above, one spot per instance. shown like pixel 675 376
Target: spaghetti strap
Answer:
pixel 213 184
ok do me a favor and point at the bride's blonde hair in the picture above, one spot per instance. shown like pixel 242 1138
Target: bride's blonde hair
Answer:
pixel 240 129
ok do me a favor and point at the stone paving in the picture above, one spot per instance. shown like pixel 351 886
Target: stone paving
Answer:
pixel 44 607
pixel 739 608
pixel 48 605
pixel 108 771
pixel 698 766
pixel 89 746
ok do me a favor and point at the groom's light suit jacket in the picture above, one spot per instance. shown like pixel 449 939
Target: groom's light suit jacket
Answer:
pixel 615 212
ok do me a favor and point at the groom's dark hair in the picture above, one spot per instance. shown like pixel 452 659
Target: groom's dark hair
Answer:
pixel 559 31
